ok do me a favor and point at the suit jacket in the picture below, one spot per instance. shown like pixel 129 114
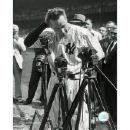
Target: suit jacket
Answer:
pixel 104 43
pixel 110 67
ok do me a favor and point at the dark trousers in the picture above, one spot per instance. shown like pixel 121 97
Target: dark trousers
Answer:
pixel 34 80
pixel 17 72
pixel 111 100
pixel 110 69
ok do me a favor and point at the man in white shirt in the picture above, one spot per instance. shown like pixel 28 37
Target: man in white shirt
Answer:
pixel 18 47
pixel 89 26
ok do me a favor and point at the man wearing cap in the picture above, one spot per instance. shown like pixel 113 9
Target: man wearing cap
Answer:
pixel 18 47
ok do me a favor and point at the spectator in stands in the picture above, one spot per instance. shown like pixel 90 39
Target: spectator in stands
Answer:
pixel 103 32
pixel 109 26
pixel 89 26
pixel 18 47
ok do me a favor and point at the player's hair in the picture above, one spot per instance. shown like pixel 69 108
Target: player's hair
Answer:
pixel 54 14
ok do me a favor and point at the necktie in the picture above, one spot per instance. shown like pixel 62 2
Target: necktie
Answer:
pixel 108 51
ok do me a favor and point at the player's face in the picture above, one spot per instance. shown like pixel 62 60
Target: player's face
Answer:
pixel 59 25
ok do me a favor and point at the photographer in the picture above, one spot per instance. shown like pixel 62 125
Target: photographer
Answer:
pixel 38 63
pixel 18 47
pixel 68 41
pixel 36 74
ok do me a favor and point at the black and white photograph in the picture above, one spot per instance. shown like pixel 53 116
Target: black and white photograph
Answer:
pixel 64 57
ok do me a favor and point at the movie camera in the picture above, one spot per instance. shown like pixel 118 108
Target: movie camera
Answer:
pixel 46 40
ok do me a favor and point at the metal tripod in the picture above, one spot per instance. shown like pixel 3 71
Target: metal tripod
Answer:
pixel 44 82
pixel 90 80
pixel 63 104
pixel 93 89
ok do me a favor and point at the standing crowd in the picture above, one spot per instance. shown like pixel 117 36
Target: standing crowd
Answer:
pixel 69 38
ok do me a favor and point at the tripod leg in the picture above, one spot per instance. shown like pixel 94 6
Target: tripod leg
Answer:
pixel 65 102
pixel 43 87
pixel 102 103
pixel 65 99
pixel 74 104
pixel 108 80
pixel 99 95
pixel 89 102
pixel 62 105
pixel 46 76
pixel 44 120
pixel 45 84
pixel 79 112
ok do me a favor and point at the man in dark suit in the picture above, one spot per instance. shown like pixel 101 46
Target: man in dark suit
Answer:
pixel 110 70
pixel 106 41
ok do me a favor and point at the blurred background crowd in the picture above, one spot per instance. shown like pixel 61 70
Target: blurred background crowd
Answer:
pixel 29 13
